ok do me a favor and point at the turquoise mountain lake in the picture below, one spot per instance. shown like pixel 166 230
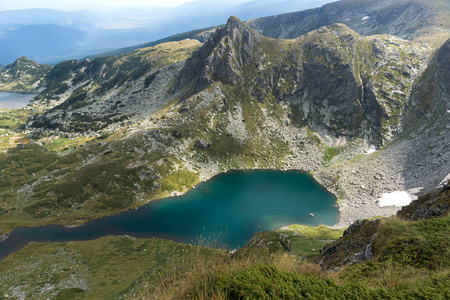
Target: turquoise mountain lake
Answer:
pixel 15 100
pixel 222 212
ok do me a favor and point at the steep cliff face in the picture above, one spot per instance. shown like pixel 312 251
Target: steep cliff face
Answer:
pixel 405 19
pixel 24 75
pixel 427 123
pixel 222 57
pixel 342 84
pixel 430 99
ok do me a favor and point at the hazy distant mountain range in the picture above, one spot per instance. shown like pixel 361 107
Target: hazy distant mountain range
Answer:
pixel 50 36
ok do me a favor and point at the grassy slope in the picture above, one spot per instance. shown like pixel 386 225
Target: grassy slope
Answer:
pixel 12 123
pixel 110 267
pixel 101 269
pixel 414 264
pixel 412 261
pixel 306 240
pixel 66 189
pixel 174 38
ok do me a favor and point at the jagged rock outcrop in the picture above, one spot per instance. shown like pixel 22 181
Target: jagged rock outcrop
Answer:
pixel 353 247
pixel 433 205
pixel 221 58
pixel 86 96
pixel 344 86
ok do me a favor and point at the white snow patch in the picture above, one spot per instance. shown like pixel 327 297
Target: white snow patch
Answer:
pixel 365 18
pixel 415 191
pixel 448 111
pixel 371 149
pixel 445 180
pixel 397 198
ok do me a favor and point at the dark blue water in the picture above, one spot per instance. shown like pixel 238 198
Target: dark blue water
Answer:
pixel 15 100
pixel 223 212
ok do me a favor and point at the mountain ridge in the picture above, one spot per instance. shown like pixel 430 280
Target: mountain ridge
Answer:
pixel 222 60
pixel 406 19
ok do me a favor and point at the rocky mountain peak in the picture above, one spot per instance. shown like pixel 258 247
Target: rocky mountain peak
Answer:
pixel 238 31
pixel 22 63
pixel 21 59
pixel 23 75
pixel 221 57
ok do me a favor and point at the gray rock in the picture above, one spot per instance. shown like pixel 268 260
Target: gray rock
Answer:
pixel 202 144
pixel 3 237
pixel 147 175
pixel 353 228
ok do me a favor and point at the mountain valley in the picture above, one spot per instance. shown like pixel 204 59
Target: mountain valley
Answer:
pixel 356 93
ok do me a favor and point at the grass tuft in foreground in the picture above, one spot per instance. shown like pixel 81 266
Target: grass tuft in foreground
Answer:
pixel 283 276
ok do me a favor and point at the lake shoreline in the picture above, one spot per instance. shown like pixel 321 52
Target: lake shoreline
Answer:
pixel 345 214
pixel 16 92
pixel 15 100
pixel 228 209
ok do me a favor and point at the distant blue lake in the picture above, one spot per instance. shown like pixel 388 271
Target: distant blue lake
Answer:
pixel 15 100
pixel 222 212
